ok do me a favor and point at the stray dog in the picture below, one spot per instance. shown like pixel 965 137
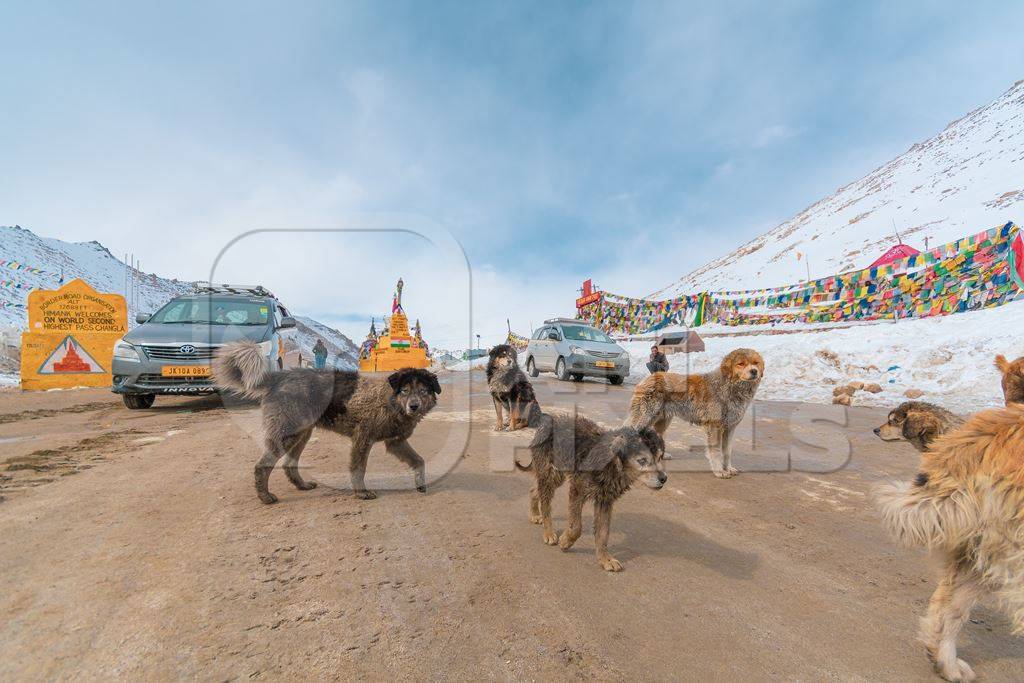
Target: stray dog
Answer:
pixel 966 505
pixel 600 465
pixel 716 400
pixel 295 401
pixel 510 390
pixel 1013 379
pixel 918 422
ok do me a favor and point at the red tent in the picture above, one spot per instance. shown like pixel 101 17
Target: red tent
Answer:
pixel 895 254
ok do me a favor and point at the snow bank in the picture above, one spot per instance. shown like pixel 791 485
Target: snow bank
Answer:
pixel 948 358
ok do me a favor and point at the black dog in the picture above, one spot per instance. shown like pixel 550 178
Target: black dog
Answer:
pixel 511 391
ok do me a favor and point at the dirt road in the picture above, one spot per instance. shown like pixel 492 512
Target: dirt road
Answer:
pixel 132 545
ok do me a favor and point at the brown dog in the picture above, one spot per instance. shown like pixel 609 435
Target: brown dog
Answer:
pixel 716 400
pixel 918 422
pixel 1013 379
pixel 294 402
pixel 600 465
pixel 966 504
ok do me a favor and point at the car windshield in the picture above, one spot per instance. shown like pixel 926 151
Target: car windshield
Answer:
pixel 580 333
pixel 213 312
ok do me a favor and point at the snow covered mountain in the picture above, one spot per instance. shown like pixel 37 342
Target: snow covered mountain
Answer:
pixel 341 351
pixel 90 261
pixel 28 261
pixel 968 178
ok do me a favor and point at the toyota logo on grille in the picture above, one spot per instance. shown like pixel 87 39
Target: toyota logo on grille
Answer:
pixel 187 348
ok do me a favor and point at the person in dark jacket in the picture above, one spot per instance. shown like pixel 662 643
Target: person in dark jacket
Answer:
pixel 320 354
pixel 658 361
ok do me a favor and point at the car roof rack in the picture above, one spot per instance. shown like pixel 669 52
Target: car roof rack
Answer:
pixel 244 290
pixel 551 321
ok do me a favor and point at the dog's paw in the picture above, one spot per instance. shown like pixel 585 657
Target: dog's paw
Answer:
pixel 268 498
pixel 307 486
pixel 365 494
pixel 536 519
pixel 724 474
pixel 566 541
pixel 499 428
pixel 667 456
pixel 610 564
pixel 422 488
pixel 959 672
pixel 550 538
pixel 732 470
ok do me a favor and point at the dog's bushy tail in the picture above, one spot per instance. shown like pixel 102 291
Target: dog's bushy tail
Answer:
pixel 242 367
pixel 920 517
pixel 545 425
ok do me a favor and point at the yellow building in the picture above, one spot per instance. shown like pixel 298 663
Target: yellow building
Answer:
pixel 395 348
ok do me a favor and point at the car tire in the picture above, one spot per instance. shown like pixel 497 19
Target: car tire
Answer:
pixel 531 367
pixel 577 377
pixel 138 401
pixel 560 372
pixel 615 380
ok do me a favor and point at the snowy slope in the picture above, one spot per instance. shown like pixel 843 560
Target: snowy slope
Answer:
pixel 968 178
pixel 341 352
pixel 90 261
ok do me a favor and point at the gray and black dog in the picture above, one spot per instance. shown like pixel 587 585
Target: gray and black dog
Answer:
pixel 365 409
pixel 510 390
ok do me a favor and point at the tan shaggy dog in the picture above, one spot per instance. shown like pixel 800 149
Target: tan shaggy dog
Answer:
pixel 919 422
pixel 716 400
pixel 967 505
pixel 1013 379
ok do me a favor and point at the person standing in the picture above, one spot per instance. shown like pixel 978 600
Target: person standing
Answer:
pixel 320 354
pixel 658 362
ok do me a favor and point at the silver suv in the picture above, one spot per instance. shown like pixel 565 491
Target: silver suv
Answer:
pixel 574 349
pixel 170 351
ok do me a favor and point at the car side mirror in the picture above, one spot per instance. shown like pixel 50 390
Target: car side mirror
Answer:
pixel 286 322
pixel 553 336
pixel 142 317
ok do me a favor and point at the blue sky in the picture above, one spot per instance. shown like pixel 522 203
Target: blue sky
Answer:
pixel 630 142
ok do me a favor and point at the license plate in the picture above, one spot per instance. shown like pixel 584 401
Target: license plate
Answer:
pixel 604 364
pixel 185 371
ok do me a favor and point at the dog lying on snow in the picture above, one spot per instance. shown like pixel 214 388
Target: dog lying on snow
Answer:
pixel 716 400
pixel 600 465
pixel 1013 379
pixel 967 505
pixel 295 401
pixel 918 422
pixel 510 390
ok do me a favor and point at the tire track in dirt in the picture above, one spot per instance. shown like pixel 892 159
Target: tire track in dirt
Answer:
pixel 7 418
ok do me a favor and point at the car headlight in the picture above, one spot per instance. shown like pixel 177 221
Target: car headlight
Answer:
pixel 577 351
pixel 266 347
pixel 125 351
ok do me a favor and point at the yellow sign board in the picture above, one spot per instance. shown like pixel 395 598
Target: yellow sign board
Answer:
pixel 71 336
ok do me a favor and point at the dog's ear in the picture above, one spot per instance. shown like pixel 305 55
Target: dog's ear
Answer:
pixel 921 425
pixel 399 379
pixel 1002 364
pixel 620 446
pixel 429 379
pixel 655 444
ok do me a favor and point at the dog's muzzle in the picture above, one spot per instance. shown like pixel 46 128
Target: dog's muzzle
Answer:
pixel 656 480
pixel 413 408
pixel 877 431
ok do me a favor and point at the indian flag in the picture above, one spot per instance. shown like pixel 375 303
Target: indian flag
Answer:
pixel 400 343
